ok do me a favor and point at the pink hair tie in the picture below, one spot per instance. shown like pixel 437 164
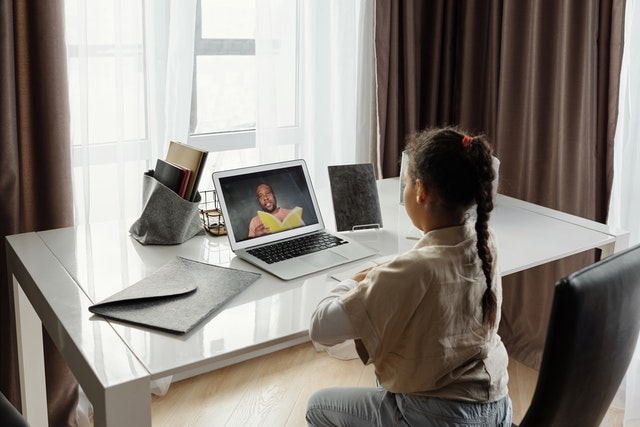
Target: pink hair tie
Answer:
pixel 466 140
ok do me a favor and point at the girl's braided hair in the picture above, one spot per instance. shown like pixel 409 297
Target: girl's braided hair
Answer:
pixel 460 168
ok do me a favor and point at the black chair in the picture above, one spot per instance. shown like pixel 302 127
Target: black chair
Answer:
pixel 9 415
pixel 592 335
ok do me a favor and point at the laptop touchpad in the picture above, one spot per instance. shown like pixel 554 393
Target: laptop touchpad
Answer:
pixel 324 258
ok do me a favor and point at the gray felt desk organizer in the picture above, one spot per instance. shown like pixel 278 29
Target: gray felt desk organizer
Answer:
pixel 166 218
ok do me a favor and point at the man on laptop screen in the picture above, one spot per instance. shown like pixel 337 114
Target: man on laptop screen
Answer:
pixel 272 218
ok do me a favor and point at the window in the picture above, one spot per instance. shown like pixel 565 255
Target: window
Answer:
pixel 120 66
pixel 224 105
pixel 224 68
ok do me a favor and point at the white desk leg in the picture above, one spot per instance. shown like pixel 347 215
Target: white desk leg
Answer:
pixel 621 243
pixel 128 404
pixel 30 359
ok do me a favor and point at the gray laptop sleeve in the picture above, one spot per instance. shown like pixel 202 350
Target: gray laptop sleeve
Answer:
pixel 177 297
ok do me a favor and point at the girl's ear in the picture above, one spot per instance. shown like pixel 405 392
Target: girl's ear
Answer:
pixel 421 193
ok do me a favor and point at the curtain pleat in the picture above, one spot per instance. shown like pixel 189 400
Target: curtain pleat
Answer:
pixel 540 79
pixel 9 208
pixel 36 169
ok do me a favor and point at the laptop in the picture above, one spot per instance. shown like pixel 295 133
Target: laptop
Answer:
pixel 272 206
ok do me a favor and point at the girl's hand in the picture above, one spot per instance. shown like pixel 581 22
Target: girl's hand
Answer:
pixel 359 277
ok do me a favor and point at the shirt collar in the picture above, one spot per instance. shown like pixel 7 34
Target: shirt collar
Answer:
pixel 448 236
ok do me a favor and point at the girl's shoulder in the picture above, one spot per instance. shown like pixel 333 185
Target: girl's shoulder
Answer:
pixel 417 261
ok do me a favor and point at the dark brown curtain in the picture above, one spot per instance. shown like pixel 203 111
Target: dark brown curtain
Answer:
pixel 35 183
pixel 540 79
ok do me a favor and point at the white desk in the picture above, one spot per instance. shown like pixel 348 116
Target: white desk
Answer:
pixel 57 274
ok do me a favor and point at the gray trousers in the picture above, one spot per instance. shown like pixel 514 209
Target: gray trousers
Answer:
pixel 375 406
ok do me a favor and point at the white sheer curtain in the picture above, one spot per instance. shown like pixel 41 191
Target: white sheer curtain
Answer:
pixel 337 67
pixel 130 73
pixel 328 55
pixel 625 205
pixel 170 53
pixel 336 85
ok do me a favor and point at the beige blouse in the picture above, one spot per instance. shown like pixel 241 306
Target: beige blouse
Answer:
pixel 419 321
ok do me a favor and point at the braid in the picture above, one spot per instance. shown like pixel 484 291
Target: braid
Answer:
pixel 484 205
pixel 460 167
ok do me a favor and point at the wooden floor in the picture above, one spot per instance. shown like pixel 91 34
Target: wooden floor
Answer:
pixel 273 391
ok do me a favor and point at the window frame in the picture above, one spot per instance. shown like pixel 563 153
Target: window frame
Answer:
pixel 246 138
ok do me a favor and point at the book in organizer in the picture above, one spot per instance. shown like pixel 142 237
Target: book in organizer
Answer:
pixel 292 220
pixel 189 158
pixel 173 176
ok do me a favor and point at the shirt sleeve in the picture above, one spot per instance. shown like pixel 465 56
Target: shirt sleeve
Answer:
pixel 330 323
pixel 383 303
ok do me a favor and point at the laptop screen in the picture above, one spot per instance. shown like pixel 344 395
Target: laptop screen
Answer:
pixel 262 204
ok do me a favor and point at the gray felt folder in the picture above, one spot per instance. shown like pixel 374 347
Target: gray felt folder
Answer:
pixel 177 297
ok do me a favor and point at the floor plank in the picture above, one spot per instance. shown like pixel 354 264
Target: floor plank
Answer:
pixel 522 382
pixel 273 390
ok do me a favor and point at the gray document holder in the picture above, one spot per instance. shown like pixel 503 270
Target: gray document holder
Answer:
pixel 354 192
pixel 177 297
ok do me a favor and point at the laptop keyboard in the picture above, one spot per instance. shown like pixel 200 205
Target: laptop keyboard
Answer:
pixel 296 247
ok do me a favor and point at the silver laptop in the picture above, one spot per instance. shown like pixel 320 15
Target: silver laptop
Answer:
pixel 269 209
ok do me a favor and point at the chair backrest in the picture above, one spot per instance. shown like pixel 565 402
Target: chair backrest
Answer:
pixel 9 415
pixel 592 335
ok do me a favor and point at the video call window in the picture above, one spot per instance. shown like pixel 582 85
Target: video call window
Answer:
pixel 284 202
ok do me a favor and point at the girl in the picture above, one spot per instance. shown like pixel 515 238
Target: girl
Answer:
pixel 428 319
